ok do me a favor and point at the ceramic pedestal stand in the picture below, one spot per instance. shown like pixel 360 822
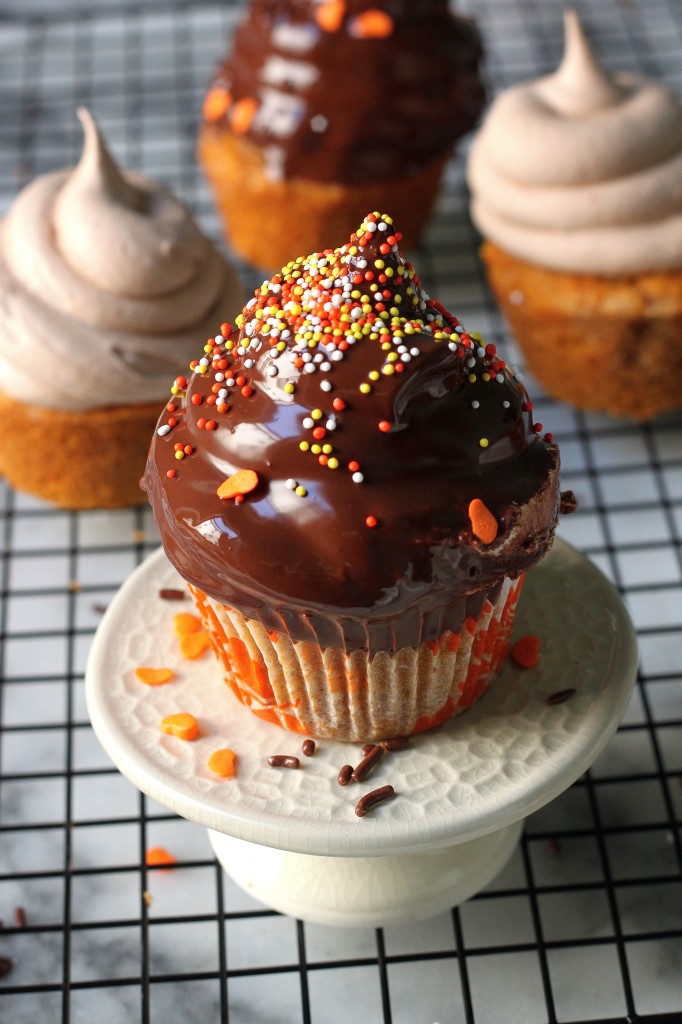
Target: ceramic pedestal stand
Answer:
pixel 292 838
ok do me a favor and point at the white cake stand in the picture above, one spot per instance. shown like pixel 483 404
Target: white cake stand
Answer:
pixel 292 838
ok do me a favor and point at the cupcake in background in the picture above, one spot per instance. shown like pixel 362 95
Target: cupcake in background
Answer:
pixel 357 510
pixel 576 183
pixel 106 282
pixel 327 108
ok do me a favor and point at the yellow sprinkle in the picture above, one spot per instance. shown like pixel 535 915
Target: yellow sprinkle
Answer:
pixel 294 309
pixel 175 389
pixel 316 449
pixel 202 369
pixel 289 388
pixel 379 263
pixel 280 346
pixel 301 491
pixel 388 369
pixel 388 271
pixel 326 449
pixel 373 375
pixel 179 455
pixel 392 357
pixel 317 414
pixel 472 378
pixel 304 446
pixel 333 463
pixel 484 442
pixel 365 388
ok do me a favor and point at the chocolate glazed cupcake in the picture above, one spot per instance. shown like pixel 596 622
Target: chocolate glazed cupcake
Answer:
pixel 324 110
pixel 353 487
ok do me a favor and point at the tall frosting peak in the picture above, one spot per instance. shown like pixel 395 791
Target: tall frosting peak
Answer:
pixel 106 266
pixel 580 85
pixel 580 170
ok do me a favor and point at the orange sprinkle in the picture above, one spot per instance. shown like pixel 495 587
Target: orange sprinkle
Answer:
pixel 223 762
pixel 483 522
pixel 182 724
pixel 216 104
pixel 329 16
pixel 243 113
pixel 154 676
pixel 193 645
pixel 185 622
pixel 241 482
pixel 157 855
pixel 526 651
pixel 372 24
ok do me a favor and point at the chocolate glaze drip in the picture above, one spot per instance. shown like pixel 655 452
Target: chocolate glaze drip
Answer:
pixel 309 564
pixel 348 105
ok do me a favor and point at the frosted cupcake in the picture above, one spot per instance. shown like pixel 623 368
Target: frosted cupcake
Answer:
pixel 576 185
pixel 327 108
pixel 360 492
pixel 106 283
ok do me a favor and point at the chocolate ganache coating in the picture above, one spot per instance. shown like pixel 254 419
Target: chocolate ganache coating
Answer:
pixel 350 91
pixel 352 422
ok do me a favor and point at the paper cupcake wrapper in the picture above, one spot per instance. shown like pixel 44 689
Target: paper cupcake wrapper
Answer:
pixel 326 692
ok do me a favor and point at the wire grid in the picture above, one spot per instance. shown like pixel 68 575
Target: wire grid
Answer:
pixel 584 924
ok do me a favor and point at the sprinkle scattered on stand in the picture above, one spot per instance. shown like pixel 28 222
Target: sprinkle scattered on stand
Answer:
pixel 526 651
pixel 158 856
pixel 223 762
pixel 182 724
pixel 154 676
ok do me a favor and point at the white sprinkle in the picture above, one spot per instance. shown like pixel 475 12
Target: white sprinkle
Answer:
pixel 292 484
pixel 414 351
pixel 220 376
pixel 309 368
pixel 218 339
pixel 357 478
pixel 162 431
pixel 325 385
pixel 336 356
pixel 459 329
pixel 272 370
pixel 308 422
pixel 480 352
pixel 325 367
pixel 382 226
pixel 505 404
pixel 470 362
pixel 230 382
pixel 406 357
pixel 307 357
pixel 331 424
pixel 475 404
pixel 223 393
pixel 499 377
pixel 248 363
pixel 203 362
pixel 371 227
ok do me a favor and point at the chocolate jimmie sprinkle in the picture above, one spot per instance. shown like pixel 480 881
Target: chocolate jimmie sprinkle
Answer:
pixel 369 760
pixel 171 594
pixel 283 761
pixel 561 695
pixel 345 774
pixel 308 747
pixel 397 743
pixel 370 800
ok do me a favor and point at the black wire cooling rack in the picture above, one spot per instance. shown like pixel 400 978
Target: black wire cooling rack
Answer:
pixel 585 923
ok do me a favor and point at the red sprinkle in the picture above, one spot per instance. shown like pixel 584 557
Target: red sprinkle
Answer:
pixel 371 521
pixel 384 426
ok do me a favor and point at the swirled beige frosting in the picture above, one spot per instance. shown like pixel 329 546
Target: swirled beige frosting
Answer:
pixel 106 282
pixel 581 171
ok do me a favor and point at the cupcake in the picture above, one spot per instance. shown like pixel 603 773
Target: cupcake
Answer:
pixel 327 108
pixel 106 282
pixel 576 186
pixel 353 487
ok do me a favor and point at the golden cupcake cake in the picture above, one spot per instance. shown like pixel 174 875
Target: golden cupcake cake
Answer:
pixel 576 183
pixel 106 282
pixel 323 110
pixel 353 487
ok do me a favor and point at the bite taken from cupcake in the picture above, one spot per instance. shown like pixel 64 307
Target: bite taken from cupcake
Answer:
pixel 327 108
pixel 106 281
pixel 576 182
pixel 353 487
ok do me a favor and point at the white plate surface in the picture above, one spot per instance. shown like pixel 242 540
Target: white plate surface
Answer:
pixel 505 757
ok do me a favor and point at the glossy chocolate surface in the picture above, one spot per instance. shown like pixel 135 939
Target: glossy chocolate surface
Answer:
pixel 351 92
pixel 429 434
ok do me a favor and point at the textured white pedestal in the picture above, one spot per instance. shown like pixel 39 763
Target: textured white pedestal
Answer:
pixel 291 838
